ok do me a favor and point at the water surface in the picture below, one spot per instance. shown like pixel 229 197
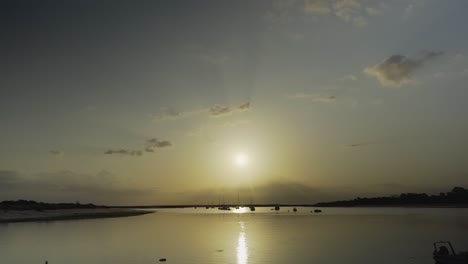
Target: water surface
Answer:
pixel 338 235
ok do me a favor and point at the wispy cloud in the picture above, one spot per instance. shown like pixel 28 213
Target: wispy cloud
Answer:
pixel 57 153
pixel 398 69
pixel 169 113
pixel 223 110
pixel 150 146
pixel 363 144
pixel 154 143
pixel 216 110
pixel 356 12
pixel 281 12
pixel 348 77
pixel 317 7
pixel 124 152
pixel 373 11
pixel 350 11
pixel 314 97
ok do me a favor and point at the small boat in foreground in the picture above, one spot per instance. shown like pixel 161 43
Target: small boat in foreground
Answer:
pixel 445 254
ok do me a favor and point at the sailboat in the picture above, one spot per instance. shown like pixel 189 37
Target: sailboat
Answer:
pixel 251 207
pixel 224 207
pixel 238 204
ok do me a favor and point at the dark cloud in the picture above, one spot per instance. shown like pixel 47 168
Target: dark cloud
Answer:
pixel 124 152
pixel 149 149
pixel 153 143
pixel 398 69
pixel 215 111
pixel 56 152
pixel 313 97
pixel 244 106
pixel 363 144
pixel 222 110
pixel 168 114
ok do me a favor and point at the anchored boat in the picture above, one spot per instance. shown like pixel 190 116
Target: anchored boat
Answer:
pixel 445 254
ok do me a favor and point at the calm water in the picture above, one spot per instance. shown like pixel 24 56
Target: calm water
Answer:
pixel 338 235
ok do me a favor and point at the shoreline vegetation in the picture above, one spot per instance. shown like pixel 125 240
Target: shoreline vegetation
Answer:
pixel 456 198
pixel 28 211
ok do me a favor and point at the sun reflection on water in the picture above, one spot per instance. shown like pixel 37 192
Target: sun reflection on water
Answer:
pixel 242 250
pixel 241 210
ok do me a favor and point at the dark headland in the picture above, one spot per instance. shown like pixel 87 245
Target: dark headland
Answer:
pixel 457 198
pixel 25 211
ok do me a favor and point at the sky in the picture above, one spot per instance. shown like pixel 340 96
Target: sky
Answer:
pixel 155 102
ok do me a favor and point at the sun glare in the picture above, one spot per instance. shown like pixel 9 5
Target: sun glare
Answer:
pixel 241 160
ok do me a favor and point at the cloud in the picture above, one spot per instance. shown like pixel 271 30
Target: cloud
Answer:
pixel 398 69
pixel 363 144
pixel 281 12
pixel 214 111
pixel 345 9
pixel 317 7
pixel 124 152
pixel 154 143
pixel 151 145
pixel 168 114
pixel 314 97
pixel 159 143
pixel 351 11
pixel 222 110
pixel 372 11
pixel 57 153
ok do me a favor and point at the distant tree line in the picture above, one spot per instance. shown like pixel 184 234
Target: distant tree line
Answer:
pixel 39 206
pixel 458 196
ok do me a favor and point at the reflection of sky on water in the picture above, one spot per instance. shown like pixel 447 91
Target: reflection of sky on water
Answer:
pixel 242 251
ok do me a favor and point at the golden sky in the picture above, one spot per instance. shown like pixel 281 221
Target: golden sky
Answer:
pixel 153 102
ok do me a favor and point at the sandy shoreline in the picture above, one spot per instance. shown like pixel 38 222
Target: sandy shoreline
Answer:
pixel 11 216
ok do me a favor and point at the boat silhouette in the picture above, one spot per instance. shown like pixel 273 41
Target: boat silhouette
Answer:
pixel 442 254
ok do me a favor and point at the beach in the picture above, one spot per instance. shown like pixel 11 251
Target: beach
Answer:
pixel 10 216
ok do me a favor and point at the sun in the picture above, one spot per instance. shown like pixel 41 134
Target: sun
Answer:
pixel 241 159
